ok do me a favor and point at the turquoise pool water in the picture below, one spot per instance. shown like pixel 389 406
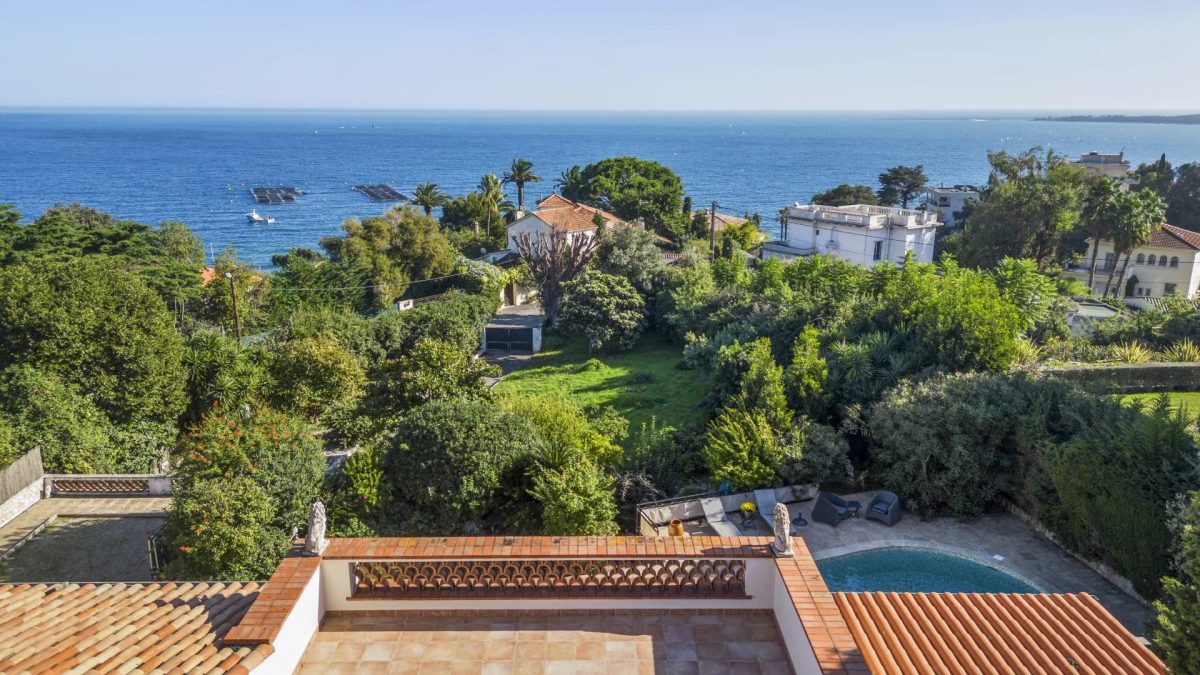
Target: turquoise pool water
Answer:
pixel 910 570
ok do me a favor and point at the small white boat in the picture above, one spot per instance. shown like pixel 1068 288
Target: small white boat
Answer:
pixel 253 217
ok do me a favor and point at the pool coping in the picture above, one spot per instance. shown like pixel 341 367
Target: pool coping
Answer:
pixel 929 547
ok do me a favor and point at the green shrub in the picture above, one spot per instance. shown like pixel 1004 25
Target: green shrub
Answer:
pixel 315 374
pixel 606 309
pixel 945 445
pixel 576 500
pixel 741 448
pixel 277 451
pixel 457 467
pixel 813 453
pixel 220 529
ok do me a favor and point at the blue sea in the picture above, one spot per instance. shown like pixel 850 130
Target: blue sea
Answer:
pixel 198 165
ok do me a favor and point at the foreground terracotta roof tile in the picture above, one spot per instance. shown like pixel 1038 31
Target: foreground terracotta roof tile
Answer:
pixel 150 627
pixel 989 633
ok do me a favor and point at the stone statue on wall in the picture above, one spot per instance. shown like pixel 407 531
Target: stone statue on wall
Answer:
pixel 315 541
pixel 782 546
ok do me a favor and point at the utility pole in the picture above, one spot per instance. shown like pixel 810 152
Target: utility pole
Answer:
pixel 712 229
pixel 237 318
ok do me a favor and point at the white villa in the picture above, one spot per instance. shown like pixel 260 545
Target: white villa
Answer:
pixel 1110 165
pixel 1167 266
pixel 946 201
pixel 861 234
pixel 558 214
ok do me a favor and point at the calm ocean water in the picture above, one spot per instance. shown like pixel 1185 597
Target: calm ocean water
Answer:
pixel 198 166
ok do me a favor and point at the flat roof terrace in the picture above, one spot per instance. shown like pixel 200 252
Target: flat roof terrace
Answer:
pixel 584 642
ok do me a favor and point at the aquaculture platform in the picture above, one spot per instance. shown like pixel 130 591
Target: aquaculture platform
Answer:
pixel 381 192
pixel 275 195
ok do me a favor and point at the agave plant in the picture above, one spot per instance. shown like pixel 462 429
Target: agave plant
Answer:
pixel 1028 355
pixel 1130 352
pixel 1182 351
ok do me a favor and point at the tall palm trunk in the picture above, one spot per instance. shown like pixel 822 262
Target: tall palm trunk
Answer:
pixel 1124 269
pixel 1092 267
pixel 521 195
pixel 1111 276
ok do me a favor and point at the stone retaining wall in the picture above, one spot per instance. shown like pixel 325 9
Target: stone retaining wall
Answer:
pixel 1132 377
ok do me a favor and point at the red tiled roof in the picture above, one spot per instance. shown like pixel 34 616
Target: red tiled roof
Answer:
pixel 109 627
pixel 1005 633
pixel 565 215
pixel 1169 236
pixel 723 220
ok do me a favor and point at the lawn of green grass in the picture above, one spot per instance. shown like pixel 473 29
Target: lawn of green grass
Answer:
pixel 640 384
pixel 1179 399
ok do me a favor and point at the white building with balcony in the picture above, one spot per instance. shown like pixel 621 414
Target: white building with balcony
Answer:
pixel 1108 164
pixel 1168 266
pixel 861 234
pixel 946 201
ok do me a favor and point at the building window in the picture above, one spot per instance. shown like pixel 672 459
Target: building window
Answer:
pixel 878 254
pixel 1141 259
pixel 1174 261
pixel 1151 260
pixel 1168 290
pixel 1162 262
pixel 1109 260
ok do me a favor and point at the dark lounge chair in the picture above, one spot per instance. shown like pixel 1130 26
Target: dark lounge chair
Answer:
pixel 831 509
pixel 884 507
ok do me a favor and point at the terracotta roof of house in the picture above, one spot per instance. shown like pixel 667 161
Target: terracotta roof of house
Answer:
pixel 723 220
pixel 151 627
pixel 207 275
pixel 1169 236
pixel 567 216
pixel 988 633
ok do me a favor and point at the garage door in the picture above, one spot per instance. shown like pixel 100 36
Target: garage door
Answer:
pixel 510 339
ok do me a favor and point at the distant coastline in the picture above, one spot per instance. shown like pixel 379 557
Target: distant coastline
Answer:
pixel 1125 119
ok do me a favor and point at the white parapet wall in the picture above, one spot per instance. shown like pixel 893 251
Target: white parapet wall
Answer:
pixel 791 628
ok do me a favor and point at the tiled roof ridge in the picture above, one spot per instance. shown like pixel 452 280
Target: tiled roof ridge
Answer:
pixel 546 547
pixel 1187 237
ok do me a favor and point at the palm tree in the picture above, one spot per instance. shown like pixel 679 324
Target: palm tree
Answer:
pixel 427 196
pixel 1098 212
pixel 521 172
pixel 492 189
pixel 571 184
pixel 1137 214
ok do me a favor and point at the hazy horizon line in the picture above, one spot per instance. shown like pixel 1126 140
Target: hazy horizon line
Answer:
pixel 223 108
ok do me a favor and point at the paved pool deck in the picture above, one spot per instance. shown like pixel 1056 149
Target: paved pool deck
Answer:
pixel 1026 554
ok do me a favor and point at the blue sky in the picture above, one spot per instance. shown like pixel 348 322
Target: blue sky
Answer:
pixel 600 55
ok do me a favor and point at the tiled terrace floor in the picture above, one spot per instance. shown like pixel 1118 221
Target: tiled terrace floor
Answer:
pixel 584 644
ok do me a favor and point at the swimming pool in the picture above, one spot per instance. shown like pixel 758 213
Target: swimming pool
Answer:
pixel 913 570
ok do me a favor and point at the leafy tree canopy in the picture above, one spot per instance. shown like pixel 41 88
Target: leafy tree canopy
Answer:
pixel 636 188
pixel 393 250
pixel 901 184
pixel 846 195
pixel 98 328
pixel 455 465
